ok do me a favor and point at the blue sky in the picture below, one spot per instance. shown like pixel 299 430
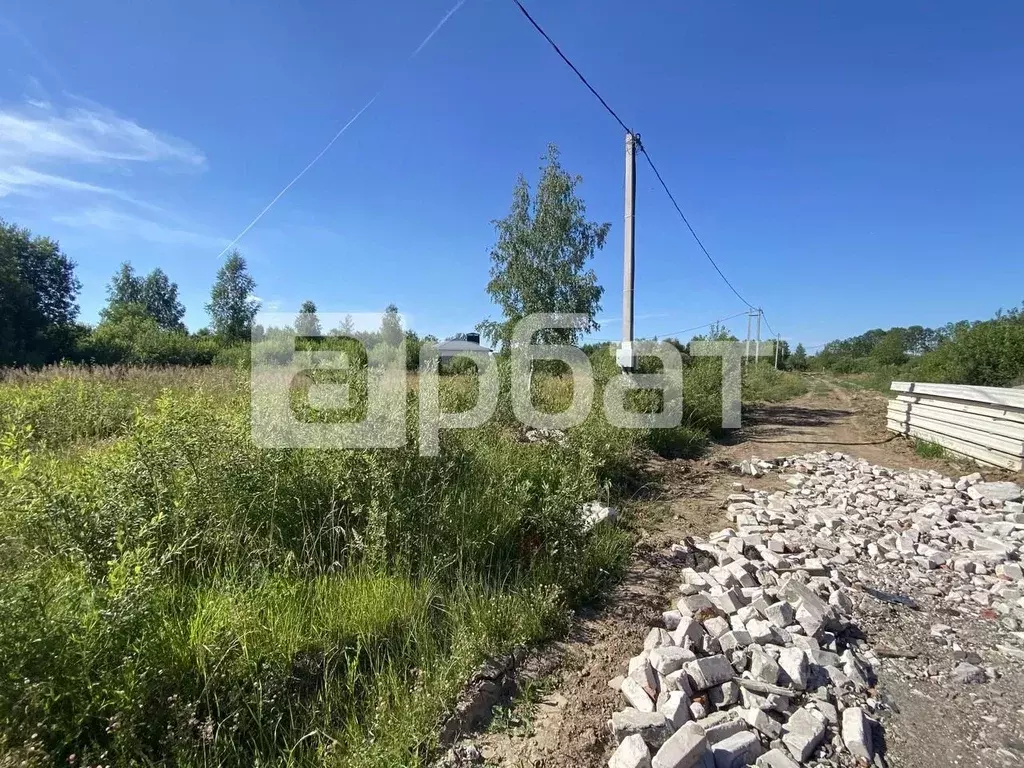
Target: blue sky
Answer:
pixel 849 165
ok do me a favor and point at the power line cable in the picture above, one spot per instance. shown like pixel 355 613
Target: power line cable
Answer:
pixel 572 66
pixel 643 149
pixel 698 327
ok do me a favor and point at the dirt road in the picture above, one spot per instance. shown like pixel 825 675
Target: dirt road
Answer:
pixel 562 720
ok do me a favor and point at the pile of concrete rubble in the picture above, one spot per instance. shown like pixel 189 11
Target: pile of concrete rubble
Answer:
pixel 761 661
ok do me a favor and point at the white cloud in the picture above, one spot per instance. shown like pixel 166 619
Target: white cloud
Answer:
pixel 53 154
pixel 21 179
pixel 138 227
pixel 87 136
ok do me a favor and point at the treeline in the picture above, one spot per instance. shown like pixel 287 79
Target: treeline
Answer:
pixel 143 320
pixel 985 352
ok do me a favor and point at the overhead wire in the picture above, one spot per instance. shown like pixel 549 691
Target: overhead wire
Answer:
pixel 572 66
pixel 705 325
pixel 643 150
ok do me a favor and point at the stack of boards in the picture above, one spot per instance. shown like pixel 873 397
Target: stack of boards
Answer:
pixel 984 423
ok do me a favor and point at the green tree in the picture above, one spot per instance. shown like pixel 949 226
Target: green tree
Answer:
pixel 232 306
pixel 717 332
pixel 124 288
pixel 160 297
pixel 539 263
pixel 306 322
pixel 798 360
pixel 38 292
pixel 891 349
pixel 155 293
pixel 347 328
pixel 391 332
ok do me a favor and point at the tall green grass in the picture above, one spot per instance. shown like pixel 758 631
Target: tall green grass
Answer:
pixel 173 593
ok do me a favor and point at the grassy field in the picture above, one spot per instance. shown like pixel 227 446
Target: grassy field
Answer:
pixel 172 593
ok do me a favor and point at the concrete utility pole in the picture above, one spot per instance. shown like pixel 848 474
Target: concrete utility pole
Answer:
pixel 746 351
pixel 757 346
pixel 626 359
pixel 778 343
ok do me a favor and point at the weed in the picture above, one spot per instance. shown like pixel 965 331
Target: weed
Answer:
pixel 928 450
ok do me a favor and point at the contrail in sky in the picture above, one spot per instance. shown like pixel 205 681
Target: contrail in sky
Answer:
pixel 337 136
pixel 437 29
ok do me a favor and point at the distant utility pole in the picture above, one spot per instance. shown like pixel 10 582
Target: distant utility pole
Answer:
pixel 746 351
pixel 757 346
pixel 778 343
pixel 626 358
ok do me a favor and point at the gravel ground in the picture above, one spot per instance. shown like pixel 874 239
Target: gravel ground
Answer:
pixel 928 708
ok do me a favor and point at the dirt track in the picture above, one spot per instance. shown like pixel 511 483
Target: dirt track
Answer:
pixel 567 725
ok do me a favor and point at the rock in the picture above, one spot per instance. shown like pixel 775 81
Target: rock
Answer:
pixel 803 733
pixel 724 695
pixel 968 674
pixel 738 750
pixel 716 626
pixel 735 639
pixel 728 601
pixel 1000 491
pixel 668 659
pixel 763 667
pixel 709 671
pixel 635 694
pixel 688 632
pixel 762 723
pixel 857 733
pixel 775 758
pixel 781 614
pixel 683 750
pixel 675 708
pixel 656 638
pixel 794 665
pixel 721 725
pixel 653 727
pixel 632 752
pixel 1010 571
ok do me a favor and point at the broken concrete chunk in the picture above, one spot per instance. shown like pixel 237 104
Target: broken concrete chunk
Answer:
pixel 735 639
pixel 738 750
pixel 675 708
pixel 764 668
pixel 729 601
pixel 643 673
pixel 780 614
pixel 857 733
pixel 656 638
pixel 999 491
pixel 762 723
pixel 709 671
pixel 969 674
pixel 632 752
pixel 690 605
pixel 669 658
pixel 689 632
pixel 671 619
pixel 716 626
pixel 652 726
pixel 793 663
pixel 683 750
pixel 635 694
pixel 724 695
pixel 803 733
pixel 775 758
